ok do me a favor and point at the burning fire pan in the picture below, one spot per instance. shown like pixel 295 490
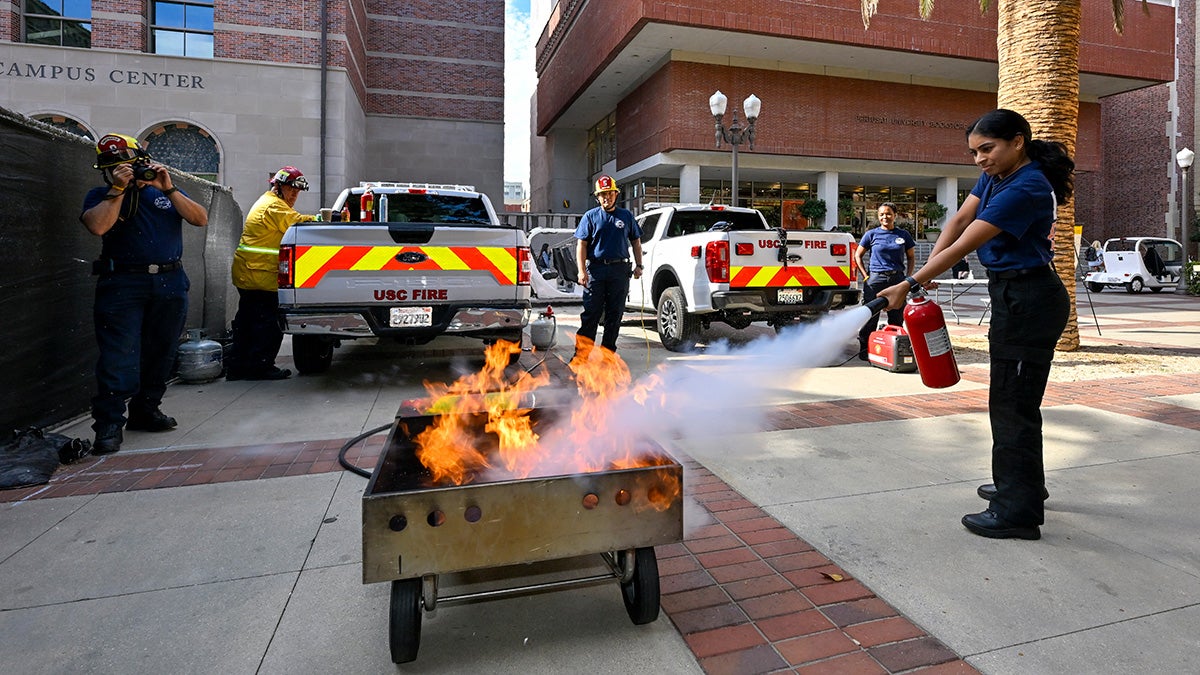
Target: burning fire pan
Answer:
pixel 414 530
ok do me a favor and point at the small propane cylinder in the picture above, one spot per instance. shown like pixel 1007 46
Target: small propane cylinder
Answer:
pixel 931 343
pixel 199 358
pixel 543 331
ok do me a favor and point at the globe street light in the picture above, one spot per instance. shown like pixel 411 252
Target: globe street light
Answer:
pixel 1185 157
pixel 735 135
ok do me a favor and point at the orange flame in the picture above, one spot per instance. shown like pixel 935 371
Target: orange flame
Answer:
pixel 485 409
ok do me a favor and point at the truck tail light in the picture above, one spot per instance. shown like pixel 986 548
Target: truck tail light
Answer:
pixel 716 261
pixel 287 264
pixel 744 248
pixel 837 249
pixel 853 261
pixel 524 265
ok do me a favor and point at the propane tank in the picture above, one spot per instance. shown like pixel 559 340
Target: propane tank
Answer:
pixel 367 204
pixel 199 358
pixel 543 331
pixel 383 208
pixel 930 342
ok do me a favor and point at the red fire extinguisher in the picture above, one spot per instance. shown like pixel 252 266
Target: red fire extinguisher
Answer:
pixel 368 205
pixel 930 342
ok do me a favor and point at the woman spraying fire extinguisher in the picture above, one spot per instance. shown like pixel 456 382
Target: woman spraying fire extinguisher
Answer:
pixel 1009 217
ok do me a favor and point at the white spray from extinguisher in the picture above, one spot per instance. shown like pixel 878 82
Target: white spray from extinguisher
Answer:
pixel 926 326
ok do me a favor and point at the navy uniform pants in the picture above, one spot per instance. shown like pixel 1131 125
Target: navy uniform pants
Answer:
pixel 256 333
pixel 877 281
pixel 138 320
pixel 1029 313
pixel 607 289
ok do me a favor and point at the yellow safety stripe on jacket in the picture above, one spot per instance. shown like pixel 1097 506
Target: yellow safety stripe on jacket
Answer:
pixel 244 248
pixel 314 262
pixel 791 276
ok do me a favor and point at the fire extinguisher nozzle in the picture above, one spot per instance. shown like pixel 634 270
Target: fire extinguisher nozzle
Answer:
pixel 877 305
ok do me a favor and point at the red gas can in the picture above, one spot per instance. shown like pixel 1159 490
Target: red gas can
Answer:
pixel 890 349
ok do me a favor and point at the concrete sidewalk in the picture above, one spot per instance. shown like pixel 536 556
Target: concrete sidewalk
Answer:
pixel 233 543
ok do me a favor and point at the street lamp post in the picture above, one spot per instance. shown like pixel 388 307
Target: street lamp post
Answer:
pixel 736 134
pixel 1184 158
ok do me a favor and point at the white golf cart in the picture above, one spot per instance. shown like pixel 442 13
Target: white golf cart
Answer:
pixel 1137 263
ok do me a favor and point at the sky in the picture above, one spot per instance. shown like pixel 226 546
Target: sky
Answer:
pixel 519 43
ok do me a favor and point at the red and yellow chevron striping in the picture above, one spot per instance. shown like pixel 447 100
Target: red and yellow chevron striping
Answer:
pixel 788 277
pixel 314 262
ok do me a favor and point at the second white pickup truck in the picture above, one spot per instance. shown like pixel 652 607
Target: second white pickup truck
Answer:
pixel 706 263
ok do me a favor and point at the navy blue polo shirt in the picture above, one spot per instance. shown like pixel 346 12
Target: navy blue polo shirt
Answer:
pixel 889 249
pixel 608 233
pixel 1023 207
pixel 149 231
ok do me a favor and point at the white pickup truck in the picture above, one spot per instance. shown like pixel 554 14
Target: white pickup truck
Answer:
pixel 706 263
pixel 440 263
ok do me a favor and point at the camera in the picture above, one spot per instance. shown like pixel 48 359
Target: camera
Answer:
pixel 143 171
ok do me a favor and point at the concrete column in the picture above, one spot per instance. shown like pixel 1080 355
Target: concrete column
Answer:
pixel 689 183
pixel 827 190
pixel 947 196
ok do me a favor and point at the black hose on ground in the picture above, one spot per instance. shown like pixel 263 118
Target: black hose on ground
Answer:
pixel 358 439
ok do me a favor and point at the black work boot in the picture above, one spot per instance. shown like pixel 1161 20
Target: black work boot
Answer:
pixel 154 420
pixel 108 439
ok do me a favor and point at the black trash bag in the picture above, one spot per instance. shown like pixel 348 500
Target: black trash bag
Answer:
pixel 31 456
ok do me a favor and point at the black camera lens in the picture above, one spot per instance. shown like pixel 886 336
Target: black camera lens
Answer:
pixel 144 172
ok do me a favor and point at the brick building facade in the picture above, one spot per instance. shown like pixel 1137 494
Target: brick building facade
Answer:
pixel 347 90
pixel 850 116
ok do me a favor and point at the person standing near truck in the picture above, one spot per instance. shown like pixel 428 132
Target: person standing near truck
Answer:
pixel 142 291
pixel 892 258
pixel 256 331
pixel 1009 217
pixel 603 240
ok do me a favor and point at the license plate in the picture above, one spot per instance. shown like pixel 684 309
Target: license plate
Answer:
pixel 406 317
pixel 790 296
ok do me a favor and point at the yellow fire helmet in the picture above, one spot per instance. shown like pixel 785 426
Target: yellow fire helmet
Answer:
pixel 605 183
pixel 114 149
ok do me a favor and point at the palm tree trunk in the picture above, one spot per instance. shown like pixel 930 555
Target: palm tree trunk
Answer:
pixel 1038 46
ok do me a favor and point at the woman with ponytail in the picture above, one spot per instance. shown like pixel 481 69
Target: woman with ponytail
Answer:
pixel 1009 217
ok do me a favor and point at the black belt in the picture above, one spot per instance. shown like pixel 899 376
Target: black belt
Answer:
pixel 1014 274
pixel 610 261
pixel 112 267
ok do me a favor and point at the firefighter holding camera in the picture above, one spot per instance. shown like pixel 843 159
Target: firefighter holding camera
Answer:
pixel 141 294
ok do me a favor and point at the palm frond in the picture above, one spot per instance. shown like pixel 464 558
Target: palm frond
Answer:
pixel 925 8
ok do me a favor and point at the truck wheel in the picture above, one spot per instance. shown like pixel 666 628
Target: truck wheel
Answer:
pixel 1134 286
pixel 1095 287
pixel 677 328
pixel 311 353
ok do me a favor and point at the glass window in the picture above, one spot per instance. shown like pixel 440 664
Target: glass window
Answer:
pixel 66 124
pixel 187 148
pixel 602 143
pixel 65 23
pixel 183 28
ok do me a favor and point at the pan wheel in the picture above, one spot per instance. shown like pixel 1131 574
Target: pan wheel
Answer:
pixel 641 593
pixel 404 620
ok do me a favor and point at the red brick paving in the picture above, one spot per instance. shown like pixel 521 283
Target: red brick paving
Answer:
pixel 747 595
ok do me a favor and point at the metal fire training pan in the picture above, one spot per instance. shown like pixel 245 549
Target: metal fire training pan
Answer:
pixel 414 530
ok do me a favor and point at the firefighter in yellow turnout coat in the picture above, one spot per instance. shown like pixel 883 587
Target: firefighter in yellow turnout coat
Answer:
pixel 256 331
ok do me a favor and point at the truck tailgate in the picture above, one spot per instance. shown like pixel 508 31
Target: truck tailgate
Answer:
pixel 403 264
pixel 763 260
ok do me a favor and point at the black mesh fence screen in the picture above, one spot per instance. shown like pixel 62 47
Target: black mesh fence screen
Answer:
pixel 47 345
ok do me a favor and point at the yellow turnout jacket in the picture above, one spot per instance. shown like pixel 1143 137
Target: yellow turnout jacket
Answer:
pixel 256 261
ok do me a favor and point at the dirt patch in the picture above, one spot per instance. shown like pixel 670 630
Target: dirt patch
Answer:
pixel 1094 362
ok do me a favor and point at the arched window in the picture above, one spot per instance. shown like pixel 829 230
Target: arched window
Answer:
pixel 185 147
pixel 66 124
